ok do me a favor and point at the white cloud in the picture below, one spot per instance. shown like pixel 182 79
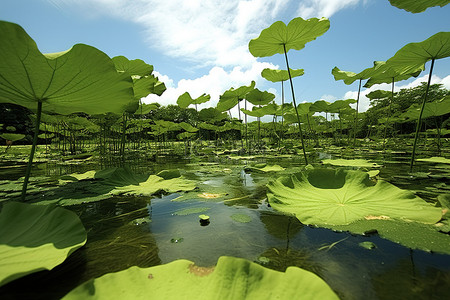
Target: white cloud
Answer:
pixel 207 33
pixel 323 8
pixel 329 98
pixel 364 102
pixel 214 83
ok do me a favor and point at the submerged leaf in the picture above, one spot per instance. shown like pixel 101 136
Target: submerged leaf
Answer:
pixel 241 218
pixel 232 278
pixel 35 238
pixel 155 184
pixel 329 197
pixel 190 211
pixel 360 163
pixel 436 159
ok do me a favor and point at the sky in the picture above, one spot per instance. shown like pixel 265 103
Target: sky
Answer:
pixel 201 46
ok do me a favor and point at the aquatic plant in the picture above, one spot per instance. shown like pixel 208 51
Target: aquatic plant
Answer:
pixel 280 38
pixel 417 6
pixel 231 278
pixel 81 79
pixel 35 238
pixel 413 55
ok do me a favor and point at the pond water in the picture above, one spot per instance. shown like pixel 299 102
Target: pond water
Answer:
pixel 145 231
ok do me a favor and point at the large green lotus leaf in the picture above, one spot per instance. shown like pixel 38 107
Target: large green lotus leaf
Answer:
pixel 257 97
pixel 432 109
pixel 303 108
pixel 81 79
pixel 231 97
pixel 35 238
pixel 184 100
pixel 413 235
pixel 202 99
pixel 120 176
pixel 232 278
pixel 417 6
pixel 12 136
pixel 144 86
pixel 132 67
pixel 146 108
pixel 320 106
pixel 436 159
pixel 295 35
pixel 413 55
pixel 339 105
pixel 280 75
pixel 379 94
pixel 188 127
pixel 384 73
pixel 211 114
pixel 155 184
pixel 269 109
pixel 360 163
pixel 350 77
pixel 339 197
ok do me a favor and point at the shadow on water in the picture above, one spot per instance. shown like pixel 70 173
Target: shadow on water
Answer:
pixel 126 231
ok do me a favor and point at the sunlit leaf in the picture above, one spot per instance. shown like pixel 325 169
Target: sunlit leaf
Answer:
pixel 81 79
pixel 412 56
pixel 35 238
pixel 280 75
pixel 295 35
pixel 231 278
pixel 339 197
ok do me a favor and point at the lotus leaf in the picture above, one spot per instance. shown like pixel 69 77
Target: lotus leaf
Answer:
pixel 257 97
pixel 241 218
pixel 190 211
pixel 431 109
pixel 264 169
pixel 350 77
pixel 232 278
pixel 155 184
pixel 280 75
pixel 232 96
pixel 35 238
pixel 185 100
pixel 367 245
pixel 132 67
pixel 379 94
pixel 279 38
pixel 211 114
pixel 12 136
pixel 413 55
pixel 339 197
pixel 81 79
pixel 414 235
pixel 417 6
pixel 384 73
pixel 436 159
pixel 360 163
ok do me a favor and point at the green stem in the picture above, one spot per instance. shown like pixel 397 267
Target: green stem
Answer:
pixel 295 106
pixel 389 115
pixel 419 121
pixel 356 114
pixel 282 108
pixel 33 150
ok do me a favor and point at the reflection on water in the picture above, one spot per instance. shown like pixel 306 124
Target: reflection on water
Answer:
pixel 127 231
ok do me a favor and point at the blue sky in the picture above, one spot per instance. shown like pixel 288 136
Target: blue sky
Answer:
pixel 201 46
